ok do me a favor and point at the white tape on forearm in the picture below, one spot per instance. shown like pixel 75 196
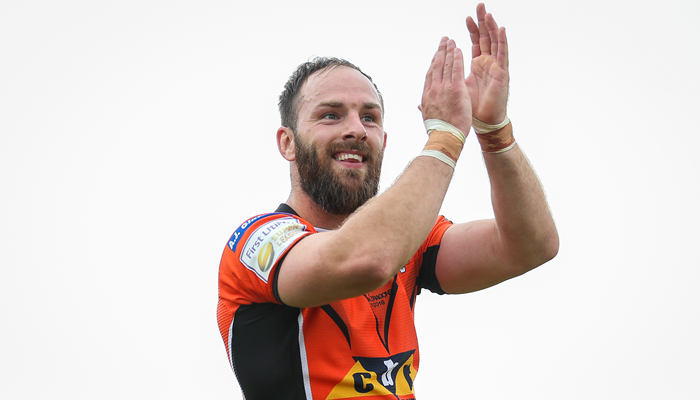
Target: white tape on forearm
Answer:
pixel 482 127
pixel 440 156
pixel 440 125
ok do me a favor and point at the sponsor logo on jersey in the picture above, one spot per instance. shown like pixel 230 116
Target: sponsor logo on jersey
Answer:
pixel 265 256
pixel 238 233
pixel 378 300
pixel 268 242
pixel 393 375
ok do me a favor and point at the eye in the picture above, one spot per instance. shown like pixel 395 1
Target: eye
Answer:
pixel 330 116
pixel 368 118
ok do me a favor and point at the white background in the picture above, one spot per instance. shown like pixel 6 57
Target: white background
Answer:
pixel 136 135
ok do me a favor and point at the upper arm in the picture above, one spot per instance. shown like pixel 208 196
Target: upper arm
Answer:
pixel 472 257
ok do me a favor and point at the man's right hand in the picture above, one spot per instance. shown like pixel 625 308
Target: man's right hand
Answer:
pixel 445 94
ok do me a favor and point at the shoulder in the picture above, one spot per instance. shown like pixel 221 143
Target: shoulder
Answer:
pixel 435 236
pixel 425 259
pixel 261 240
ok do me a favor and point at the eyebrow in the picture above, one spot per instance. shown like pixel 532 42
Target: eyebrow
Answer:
pixel 338 104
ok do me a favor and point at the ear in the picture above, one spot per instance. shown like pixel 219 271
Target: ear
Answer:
pixel 285 143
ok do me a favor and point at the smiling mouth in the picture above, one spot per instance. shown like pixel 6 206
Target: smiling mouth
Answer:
pixel 348 157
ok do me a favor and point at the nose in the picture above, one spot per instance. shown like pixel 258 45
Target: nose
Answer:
pixel 355 129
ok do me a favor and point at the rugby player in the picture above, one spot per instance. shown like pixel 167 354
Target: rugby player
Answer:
pixel 316 299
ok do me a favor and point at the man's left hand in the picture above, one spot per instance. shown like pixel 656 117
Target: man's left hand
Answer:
pixel 488 81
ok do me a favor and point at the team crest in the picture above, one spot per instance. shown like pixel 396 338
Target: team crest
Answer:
pixel 393 375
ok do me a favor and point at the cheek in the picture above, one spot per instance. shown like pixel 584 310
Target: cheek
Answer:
pixel 378 141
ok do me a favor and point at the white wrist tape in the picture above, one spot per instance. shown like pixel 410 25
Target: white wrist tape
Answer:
pixel 440 125
pixel 440 156
pixel 482 127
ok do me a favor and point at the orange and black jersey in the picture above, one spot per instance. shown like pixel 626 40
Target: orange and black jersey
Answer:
pixel 360 348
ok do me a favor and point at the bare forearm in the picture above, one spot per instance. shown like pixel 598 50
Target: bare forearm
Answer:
pixel 400 219
pixel 524 223
pixel 393 225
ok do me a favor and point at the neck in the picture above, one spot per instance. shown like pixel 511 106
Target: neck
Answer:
pixel 311 212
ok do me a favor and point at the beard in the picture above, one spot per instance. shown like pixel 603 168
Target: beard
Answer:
pixel 338 193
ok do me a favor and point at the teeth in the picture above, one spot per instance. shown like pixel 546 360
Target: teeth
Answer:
pixel 345 156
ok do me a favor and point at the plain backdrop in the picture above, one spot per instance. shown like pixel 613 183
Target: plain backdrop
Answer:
pixel 136 135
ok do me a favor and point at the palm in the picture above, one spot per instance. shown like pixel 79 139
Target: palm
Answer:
pixel 488 81
pixel 488 88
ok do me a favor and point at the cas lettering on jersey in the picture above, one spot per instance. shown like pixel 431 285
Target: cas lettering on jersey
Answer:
pixel 268 242
pixel 391 376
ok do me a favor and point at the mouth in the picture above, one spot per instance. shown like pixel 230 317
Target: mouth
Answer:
pixel 350 158
pixel 353 158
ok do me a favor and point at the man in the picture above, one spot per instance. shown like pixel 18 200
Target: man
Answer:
pixel 316 299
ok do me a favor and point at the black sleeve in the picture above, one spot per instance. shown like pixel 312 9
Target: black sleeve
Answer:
pixel 426 277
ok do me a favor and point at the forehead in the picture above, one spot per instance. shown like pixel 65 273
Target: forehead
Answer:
pixel 341 84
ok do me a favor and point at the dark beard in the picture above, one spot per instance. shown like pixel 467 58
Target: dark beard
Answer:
pixel 326 188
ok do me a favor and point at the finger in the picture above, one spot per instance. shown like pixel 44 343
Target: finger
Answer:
pixel 458 65
pixel 474 35
pixel 429 76
pixel 433 65
pixel 449 60
pixel 439 61
pixel 502 56
pixel 484 39
pixel 492 28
